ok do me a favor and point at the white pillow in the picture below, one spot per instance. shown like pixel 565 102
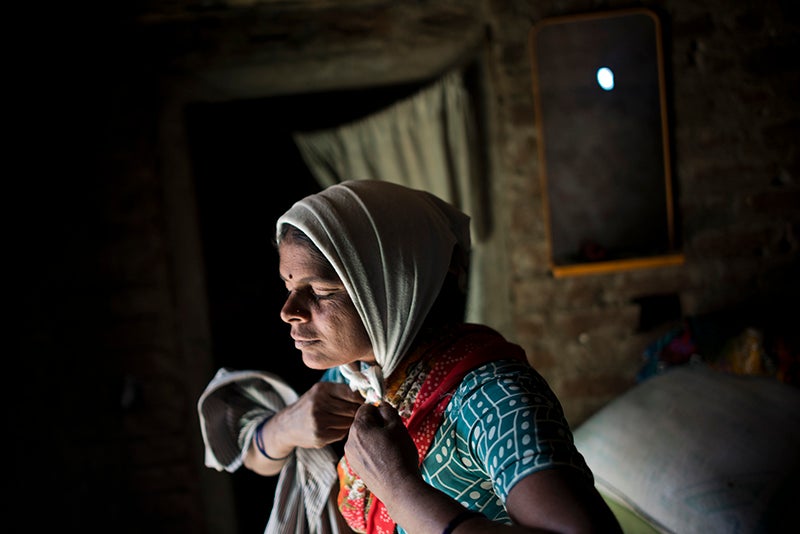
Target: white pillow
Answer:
pixel 696 450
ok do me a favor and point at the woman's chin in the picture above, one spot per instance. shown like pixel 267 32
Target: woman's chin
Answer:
pixel 315 361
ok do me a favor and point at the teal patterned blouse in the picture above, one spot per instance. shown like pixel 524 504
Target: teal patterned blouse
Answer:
pixel 502 424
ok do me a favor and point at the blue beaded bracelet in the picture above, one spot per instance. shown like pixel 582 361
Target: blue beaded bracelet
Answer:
pixel 260 442
pixel 460 518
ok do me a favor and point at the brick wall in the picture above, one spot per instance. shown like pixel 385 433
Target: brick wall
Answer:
pixel 112 320
pixel 736 176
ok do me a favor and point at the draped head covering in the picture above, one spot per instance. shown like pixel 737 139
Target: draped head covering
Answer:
pixel 391 246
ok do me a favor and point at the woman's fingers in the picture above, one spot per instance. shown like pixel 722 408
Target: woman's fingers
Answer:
pixel 324 414
pixel 336 397
pixel 390 416
pixel 379 444
pixel 368 416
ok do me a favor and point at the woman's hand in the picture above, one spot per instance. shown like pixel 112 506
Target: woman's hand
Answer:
pixel 380 450
pixel 321 416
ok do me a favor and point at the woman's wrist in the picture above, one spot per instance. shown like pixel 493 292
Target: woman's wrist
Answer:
pixel 461 517
pixel 401 487
pixel 265 442
pixel 418 506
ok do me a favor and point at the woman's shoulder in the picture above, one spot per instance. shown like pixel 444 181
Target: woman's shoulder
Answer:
pixel 513 375
pixel 504 385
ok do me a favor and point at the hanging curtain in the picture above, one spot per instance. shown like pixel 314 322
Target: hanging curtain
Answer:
pixel 426 141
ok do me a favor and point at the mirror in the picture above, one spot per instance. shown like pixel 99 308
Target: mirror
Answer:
pixel 598 83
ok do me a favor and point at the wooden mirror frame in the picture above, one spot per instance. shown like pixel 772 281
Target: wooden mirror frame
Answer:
pixel 601 37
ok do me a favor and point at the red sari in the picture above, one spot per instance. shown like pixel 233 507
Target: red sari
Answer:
pixel 421 389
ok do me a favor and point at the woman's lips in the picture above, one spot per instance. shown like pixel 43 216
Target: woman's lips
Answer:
pixel 302 339
pixel 302 343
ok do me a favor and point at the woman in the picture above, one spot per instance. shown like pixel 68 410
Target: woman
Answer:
pixel 457 431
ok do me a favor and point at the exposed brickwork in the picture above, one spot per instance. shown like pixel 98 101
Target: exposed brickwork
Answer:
pixel 734 137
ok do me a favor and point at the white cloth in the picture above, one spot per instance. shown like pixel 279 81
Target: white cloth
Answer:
pixel 391 246
pixel 303 501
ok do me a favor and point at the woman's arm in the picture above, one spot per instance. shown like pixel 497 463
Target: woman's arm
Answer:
pixel 380 450
pixel 321 416
pixel 565 501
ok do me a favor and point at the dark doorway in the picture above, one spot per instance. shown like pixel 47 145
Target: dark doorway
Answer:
pixel 247 172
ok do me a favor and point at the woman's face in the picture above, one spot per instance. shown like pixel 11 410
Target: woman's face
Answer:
pixel 325 325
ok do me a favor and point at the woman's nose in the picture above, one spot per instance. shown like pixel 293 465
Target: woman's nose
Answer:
pixel 293 310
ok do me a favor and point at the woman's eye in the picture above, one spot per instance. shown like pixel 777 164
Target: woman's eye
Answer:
pixel 322 293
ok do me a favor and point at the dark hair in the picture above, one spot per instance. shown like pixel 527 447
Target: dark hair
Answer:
pixel 292 234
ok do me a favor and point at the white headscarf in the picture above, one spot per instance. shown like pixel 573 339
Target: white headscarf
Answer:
pixel 391 246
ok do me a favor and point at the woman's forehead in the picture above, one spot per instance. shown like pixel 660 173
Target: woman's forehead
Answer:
pixel 298 260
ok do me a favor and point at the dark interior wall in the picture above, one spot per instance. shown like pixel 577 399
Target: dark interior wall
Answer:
pixel 732 123
pixel 104 381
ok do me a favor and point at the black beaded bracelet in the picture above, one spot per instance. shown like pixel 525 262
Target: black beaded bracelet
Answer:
pixel 260 442
pixel 457 520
